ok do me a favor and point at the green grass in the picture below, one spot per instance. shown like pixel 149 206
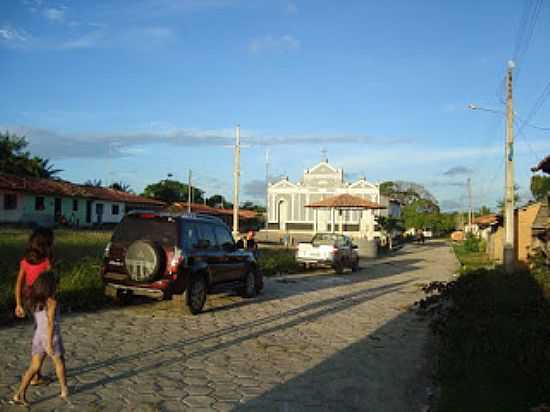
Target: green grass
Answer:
pixel 78 256
pixel 493 343
pixel 470 260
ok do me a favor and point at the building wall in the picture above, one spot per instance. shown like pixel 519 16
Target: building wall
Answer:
pixel 11 215
pixel 495 244
pixel 107 216
pixel 524 237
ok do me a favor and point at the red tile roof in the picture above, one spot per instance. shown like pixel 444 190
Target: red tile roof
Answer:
pixel 487 220
pixel 200 208
pixel 52 187
pixel 346 201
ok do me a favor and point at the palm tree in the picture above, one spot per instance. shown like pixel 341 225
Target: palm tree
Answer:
pixel 121 187
pixel 93 183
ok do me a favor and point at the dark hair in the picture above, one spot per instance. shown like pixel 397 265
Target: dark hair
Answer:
pixel 40 246
pixel 43 288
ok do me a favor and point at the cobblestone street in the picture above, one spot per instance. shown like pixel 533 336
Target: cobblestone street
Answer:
pixel 315 341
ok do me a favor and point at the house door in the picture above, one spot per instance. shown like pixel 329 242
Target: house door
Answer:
pixel 57 209
pixel 88 211
pixel 282 212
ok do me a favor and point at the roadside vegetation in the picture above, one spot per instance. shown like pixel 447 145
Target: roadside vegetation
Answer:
pixel 471 254
pixel 493 336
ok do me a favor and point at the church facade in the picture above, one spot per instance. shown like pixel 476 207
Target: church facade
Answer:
pixel 287 211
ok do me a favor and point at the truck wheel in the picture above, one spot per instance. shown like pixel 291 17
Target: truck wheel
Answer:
pixel 355 266
pixel 339 268
pixel 196 294
pixel 249 290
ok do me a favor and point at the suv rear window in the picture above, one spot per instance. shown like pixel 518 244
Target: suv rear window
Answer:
pixel 156 229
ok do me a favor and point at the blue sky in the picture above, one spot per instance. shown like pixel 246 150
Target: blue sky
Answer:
pixel 134 90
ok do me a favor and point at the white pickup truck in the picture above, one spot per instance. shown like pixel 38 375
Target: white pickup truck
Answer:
pixel 329 249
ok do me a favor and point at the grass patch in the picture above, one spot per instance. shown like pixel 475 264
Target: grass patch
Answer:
pixel 471 258
pixel 78 256
pixel 493 342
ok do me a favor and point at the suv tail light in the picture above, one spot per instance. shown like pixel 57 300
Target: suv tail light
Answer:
pixel 177 259
pixel 334 250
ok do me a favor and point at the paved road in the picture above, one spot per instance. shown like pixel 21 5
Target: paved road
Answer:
pixel 310 342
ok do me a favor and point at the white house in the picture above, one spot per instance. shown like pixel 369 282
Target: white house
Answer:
pixel 287 211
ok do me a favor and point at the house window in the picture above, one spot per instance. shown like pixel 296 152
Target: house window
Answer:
pixel 39 203
pixel 115 209
pixel 10 201
pixel 75 205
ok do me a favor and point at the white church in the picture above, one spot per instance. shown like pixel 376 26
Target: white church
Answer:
pixel 287 211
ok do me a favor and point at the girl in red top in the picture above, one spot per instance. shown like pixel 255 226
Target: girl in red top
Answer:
pixel 38 258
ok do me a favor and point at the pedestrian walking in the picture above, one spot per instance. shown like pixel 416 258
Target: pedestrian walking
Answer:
pixel 37 259
pixel 47 336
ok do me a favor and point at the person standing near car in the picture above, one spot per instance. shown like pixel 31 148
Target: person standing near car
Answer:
pixel 38 258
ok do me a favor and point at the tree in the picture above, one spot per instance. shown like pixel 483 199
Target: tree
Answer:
pixel 248 205
pixel 15 160
pixel 121 187
pixel 93 182
pixel 517 198
pixel 540 187
pixel 484 210
pixel 171 191
pixel 218 201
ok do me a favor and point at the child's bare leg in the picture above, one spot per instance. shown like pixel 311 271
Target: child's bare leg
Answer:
pixel 36 362
pixel 59 363
pixel 38 378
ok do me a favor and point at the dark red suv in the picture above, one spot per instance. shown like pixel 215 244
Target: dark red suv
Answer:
pixel 160 255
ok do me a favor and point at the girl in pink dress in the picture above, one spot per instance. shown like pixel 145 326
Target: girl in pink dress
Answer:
pixel 47 335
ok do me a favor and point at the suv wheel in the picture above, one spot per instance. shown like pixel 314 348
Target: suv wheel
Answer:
pixel 250 284
pixel 196 294
pixel 355 266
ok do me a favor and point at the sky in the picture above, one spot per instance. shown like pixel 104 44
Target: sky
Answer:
pixel 135 90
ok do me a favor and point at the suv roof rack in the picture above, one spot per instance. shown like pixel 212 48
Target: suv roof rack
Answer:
pixel 205 216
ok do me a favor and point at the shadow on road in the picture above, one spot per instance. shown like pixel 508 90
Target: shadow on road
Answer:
pixel 385 371
pixel 242 333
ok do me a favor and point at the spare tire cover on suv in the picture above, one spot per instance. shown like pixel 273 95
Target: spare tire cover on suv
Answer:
pixel 143 260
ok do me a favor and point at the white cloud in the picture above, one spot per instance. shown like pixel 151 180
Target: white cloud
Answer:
pixel 56 15
pixel 284 42
pixel 11 35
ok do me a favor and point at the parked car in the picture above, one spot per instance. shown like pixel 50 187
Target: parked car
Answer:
pixel 159 255
pixel 329 249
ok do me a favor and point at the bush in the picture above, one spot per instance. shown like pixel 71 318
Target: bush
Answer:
pixel 473 244
pixel 493 334
pixel 273 261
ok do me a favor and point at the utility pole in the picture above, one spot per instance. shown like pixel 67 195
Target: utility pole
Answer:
pixel 508 252
pixel 470 204
pixel 189 190
pixel 236 176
